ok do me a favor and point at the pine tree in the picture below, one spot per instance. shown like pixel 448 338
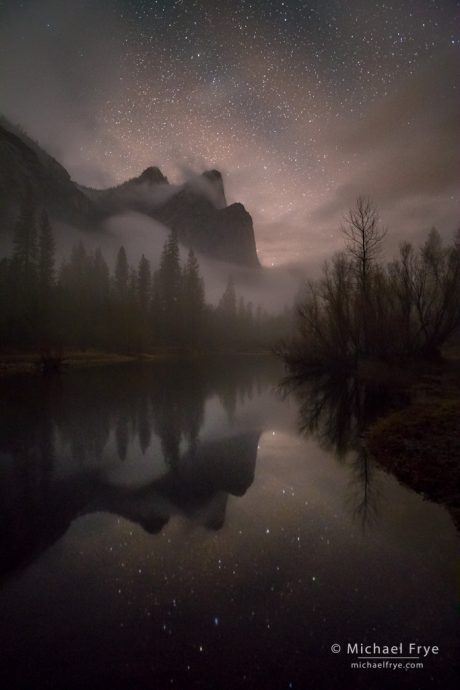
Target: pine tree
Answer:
pixel 170 273
pixel 155 307
pixel 74 287
pixel 226 315
pixel 100 277
pixel 124 304
pixel 23 293
pixel 6 306
pixel 168 284
pixel 121 274
pixel 193 303
pixel 25 243
pixel 227 304
pixel 46 255
pixel 144 284
pixel 193 284
pixel 46 311
pixel 99 321
pixel 141 289
pixel 132 287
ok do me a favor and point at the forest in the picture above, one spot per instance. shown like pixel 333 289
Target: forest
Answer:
pixel 83 304
pixel 363 308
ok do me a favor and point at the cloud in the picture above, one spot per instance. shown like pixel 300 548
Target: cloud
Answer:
pixel 404 153
pixel 109 95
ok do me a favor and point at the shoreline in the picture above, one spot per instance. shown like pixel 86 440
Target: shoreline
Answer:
pixel 420 443
pixel 14 363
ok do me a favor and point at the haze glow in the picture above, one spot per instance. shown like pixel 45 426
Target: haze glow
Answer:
pixel 301 105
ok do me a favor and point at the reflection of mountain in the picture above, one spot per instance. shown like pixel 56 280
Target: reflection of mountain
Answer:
pixel 197 488
pixel 61 441
pixel 197 210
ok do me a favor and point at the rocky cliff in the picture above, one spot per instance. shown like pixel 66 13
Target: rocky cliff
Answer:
pixel 197 210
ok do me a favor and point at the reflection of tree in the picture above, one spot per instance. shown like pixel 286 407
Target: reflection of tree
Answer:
pixel 337 411
pixel 365 493
pixel 238 380
pixel 227 396
pixel 122 436
pixel 177 399
pixel 143 423
pixel 198 489
pixel 84 422
pixel 55 433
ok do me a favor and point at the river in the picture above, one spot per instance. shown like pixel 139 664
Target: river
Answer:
pixel 192 525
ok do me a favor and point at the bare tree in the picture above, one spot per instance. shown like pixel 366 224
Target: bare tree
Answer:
pixel 365 236
pixel 457 240
pixel 361 308
pixel 437 293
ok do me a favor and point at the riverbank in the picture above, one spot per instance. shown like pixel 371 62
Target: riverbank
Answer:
pixel 29 362
pixel 420 444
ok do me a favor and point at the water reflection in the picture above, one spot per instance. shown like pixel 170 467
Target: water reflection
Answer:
pixel 336 411
pixel 127 472
pixel 63 442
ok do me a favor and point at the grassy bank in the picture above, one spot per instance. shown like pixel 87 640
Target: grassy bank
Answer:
pixel 28 362
pixel 420 444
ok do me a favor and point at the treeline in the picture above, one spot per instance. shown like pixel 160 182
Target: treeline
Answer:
pixel 84 304
pixel 363 308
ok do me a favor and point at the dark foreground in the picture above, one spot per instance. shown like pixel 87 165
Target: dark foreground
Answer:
pixel 420 444
pixel 167 525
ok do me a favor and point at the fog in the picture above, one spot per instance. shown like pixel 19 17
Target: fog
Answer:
pixel 272 289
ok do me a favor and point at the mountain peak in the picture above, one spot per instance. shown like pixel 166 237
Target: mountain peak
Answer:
pixel 152 175
pixel 213 175
pixel 197 209
pixel 215 180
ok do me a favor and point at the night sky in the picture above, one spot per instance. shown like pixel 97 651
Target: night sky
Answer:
pixel 301 104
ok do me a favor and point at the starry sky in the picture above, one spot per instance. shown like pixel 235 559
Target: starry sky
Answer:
pixel 302 104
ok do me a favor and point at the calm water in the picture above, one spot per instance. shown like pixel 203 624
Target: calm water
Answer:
pixel 186 526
